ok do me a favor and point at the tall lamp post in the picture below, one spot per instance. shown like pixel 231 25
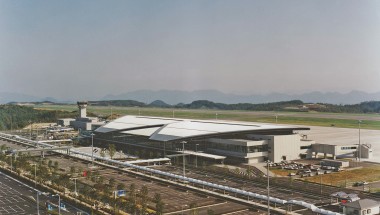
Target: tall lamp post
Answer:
pixel 59 203
pixel 360 147
pixel 268 185
pixel 38 202
pixel 183 157
pixel 92 149
pixel 30 135
pixel 75 185
pixel 196 155
pixel 35 174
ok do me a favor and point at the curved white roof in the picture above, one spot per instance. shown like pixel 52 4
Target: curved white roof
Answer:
pixel 167 129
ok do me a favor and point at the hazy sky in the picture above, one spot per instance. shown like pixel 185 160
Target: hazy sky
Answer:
pixel 93 48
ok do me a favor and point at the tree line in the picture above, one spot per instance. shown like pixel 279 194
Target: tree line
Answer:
pixel 17 117
pixel 293 105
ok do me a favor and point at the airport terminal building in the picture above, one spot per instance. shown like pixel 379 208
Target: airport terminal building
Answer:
pixel 209 139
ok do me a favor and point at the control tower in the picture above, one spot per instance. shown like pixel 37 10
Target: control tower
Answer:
pixel 82 109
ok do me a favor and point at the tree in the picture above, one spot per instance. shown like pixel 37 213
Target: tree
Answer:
pixel 102 153
pixel 120 186
pixel 56 165
pixel 249 171
pixel 132 198
pixel 210 212
pixel 50 163
pixel 72 170
pixel 193 207
pixel 144 199
pixel 111 150
pixel 159 204
pixel 3 148
pixel 112 183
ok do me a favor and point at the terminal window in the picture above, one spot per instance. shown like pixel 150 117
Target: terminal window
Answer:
pixel 348 147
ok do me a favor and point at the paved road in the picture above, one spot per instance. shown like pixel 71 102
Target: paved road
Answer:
pixel 17 198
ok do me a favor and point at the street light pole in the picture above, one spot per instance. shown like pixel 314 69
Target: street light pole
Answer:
pixel 75 186
pixel 360 147
pixel 92 149
pixel 268 185
pixel 196 156
pixel 59 203
pixel 38 203
pixel 30 135
pixel 183 157
pixel 35 175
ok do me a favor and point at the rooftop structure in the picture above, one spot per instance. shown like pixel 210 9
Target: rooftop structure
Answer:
pixel 362 206
pixel 170 129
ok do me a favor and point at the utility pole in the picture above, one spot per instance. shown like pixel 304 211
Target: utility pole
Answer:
pixel 92 149
pixel 35 175
pixel 360 146
pixel 196 155
pixel 268 186
pixel 38 203
pixel 183 157
pixel 30 135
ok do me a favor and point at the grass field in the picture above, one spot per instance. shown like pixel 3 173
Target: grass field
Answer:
pixel 369 174
pixel 311 119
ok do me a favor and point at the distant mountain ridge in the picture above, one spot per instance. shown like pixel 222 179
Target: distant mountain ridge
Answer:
pixel 176 96
pixel 173 97
pixel 293 105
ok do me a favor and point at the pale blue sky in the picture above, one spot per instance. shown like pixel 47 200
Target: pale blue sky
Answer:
pixel 93 48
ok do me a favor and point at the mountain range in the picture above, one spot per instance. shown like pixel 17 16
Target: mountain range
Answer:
pixel 176 96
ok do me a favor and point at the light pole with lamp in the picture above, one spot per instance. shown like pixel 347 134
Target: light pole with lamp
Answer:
pixel 11 155
pixel 35 174
pixel 360 147
pixel 30 135
pixel 268 185
pixel 75 185
pixel 59 203
pixel 92 149
pixel 183 157
pixel 38 202
pixel 196 155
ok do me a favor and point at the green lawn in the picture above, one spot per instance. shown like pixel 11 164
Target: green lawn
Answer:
pixel 249 116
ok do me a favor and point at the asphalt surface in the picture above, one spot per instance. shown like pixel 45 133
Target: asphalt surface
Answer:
pixel 17 198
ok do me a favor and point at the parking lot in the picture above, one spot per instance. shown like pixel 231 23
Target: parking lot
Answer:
pixel 16 198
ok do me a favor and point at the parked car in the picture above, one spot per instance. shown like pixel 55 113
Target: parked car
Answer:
pixel 360 183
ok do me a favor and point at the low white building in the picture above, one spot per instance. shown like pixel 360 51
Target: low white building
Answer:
pixel 362 207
